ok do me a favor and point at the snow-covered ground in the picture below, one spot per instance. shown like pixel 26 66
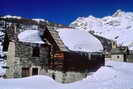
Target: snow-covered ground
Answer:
pixel 118 27
pixel 115 75
pixel 78 40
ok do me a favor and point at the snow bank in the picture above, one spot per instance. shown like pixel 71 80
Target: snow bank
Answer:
pixel 31 36
pixel 77 40
pixel 34 82
pixel 115 75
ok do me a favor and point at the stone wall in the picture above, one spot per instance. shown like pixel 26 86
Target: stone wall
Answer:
pixel 67 77
pixel 24 52
pixel 117 57
pixel 20 55
pixel 10 60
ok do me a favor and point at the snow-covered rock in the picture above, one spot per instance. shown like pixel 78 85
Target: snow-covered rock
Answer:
pixel 31 36
pixel 79 40
pixel 118 27
pixel 10 16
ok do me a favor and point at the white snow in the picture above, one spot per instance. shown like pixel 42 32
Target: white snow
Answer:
pixel 119 76
pixel 39 20
pixel 10 16
pixel 118 27
pixel 31 36
pixel 2 71
pixel 1 33
pixel 115 75
pixel 79 40
pixel 35 82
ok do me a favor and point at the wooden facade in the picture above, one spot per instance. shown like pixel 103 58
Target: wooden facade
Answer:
pixel 76 61
pixel 62 59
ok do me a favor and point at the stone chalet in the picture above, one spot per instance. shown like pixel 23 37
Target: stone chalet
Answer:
pixel 50 58
pixel 120 53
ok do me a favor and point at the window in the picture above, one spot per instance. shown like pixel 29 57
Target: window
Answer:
pixel 25 72
pixel 34 71
pixel 36 51
pixel 118 57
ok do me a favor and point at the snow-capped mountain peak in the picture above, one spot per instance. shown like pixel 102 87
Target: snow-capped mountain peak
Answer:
pixel 119 25
pixel 118 13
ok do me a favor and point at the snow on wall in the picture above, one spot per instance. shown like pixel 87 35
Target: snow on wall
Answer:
pixel 77 40
pixel 2 71
pixel 31 36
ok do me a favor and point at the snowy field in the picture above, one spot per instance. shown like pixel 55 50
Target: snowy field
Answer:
pixel 115 75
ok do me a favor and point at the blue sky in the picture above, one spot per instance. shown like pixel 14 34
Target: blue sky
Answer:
pixel 63 11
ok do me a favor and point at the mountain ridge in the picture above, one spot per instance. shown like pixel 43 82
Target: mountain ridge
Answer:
pixel 118 27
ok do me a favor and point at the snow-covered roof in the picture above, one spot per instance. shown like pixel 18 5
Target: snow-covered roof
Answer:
pixel 30 36
pixel 78 40
pixel 117 75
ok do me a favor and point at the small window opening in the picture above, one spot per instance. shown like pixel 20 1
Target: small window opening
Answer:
pixel 118 57
pixel 36 51
pixel 34 71
pixel 25 72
